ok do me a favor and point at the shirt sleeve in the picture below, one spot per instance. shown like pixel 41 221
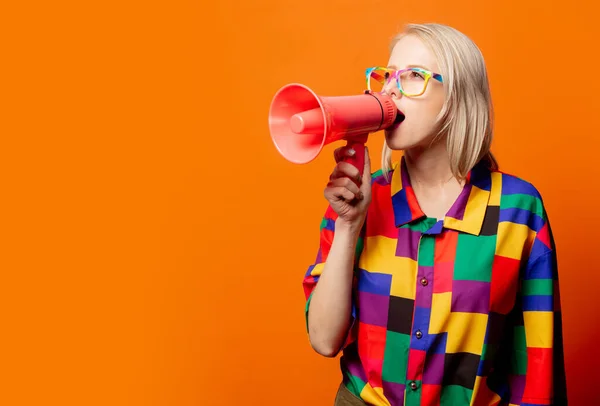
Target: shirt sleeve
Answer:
pixel 538 346
pixel 312 275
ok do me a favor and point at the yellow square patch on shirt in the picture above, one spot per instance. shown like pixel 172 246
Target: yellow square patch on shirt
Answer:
pixel 539 328
pixel 466 332
pixel 440 312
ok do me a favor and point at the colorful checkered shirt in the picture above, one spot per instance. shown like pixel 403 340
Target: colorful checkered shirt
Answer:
pixel 460 311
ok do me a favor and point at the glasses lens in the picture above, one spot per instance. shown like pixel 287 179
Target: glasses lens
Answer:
pixel 377 79
pixel 412 82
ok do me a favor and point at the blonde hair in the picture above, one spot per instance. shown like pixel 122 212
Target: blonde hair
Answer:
pixel 467 115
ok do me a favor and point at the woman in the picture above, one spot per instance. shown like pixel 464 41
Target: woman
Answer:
pixel 437 276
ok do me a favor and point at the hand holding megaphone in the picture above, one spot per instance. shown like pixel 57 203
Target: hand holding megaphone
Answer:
pixel 301 122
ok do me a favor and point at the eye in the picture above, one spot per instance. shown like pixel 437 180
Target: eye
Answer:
pixel 387 75
pixel 416 75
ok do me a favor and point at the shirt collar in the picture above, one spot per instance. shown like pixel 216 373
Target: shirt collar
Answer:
pixel 466 214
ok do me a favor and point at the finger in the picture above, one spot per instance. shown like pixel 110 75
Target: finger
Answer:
pixel 343 152
pixel 344 182
pixel 345 169
pixel 366 176
pixel 343 193
pixel 335 191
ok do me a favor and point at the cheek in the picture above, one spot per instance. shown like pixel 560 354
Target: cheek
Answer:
pixel 426 113
pixel 426 116
pixel 436 102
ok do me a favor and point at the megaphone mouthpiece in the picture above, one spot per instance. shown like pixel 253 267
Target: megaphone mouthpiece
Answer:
pixel 308 122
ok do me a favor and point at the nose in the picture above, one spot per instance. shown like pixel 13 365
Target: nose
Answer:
pixel 394 92
pixel 391 89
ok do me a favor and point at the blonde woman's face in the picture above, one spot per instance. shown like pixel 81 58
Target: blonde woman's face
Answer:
pixel 420 112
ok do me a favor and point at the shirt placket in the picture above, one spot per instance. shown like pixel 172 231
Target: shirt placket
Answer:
pixel 420 340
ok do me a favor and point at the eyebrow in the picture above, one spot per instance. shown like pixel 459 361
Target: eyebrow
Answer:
pixel 410 66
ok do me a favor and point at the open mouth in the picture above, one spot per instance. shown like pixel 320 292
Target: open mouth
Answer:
pixel 399 119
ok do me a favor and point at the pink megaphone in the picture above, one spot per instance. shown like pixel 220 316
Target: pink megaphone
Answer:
pixel 301 122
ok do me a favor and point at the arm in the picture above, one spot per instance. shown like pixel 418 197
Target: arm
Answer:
pixel 544 382
pixel 328 286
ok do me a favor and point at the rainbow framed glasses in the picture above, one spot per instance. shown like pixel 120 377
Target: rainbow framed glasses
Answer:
pixel 411 82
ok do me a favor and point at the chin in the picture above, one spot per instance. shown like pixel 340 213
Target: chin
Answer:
pixel 397 141
pixel 400 139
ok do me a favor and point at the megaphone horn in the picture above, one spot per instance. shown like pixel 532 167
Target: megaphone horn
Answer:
pixel 302 123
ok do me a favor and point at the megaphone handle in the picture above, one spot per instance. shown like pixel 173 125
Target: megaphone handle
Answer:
pixel 358 159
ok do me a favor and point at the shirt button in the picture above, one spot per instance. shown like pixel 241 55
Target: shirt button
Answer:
pixel 424 281
pixel 419 334
pixel 413 386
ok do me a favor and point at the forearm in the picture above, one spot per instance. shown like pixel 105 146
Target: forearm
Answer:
pixel 329 313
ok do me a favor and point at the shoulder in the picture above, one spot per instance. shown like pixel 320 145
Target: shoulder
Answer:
pixel 524 217
pixel 381 191
pixel 523 212
pixel 380 178
pixel 518 193
pixel 514 184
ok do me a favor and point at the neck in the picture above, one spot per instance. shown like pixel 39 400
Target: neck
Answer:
pixel 429 167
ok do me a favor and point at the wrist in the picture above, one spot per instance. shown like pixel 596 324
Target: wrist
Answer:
pixel 350 229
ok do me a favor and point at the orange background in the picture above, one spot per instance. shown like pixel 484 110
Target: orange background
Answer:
pixel 155 241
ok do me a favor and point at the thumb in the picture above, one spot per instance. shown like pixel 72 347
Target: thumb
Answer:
pixel 367 168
